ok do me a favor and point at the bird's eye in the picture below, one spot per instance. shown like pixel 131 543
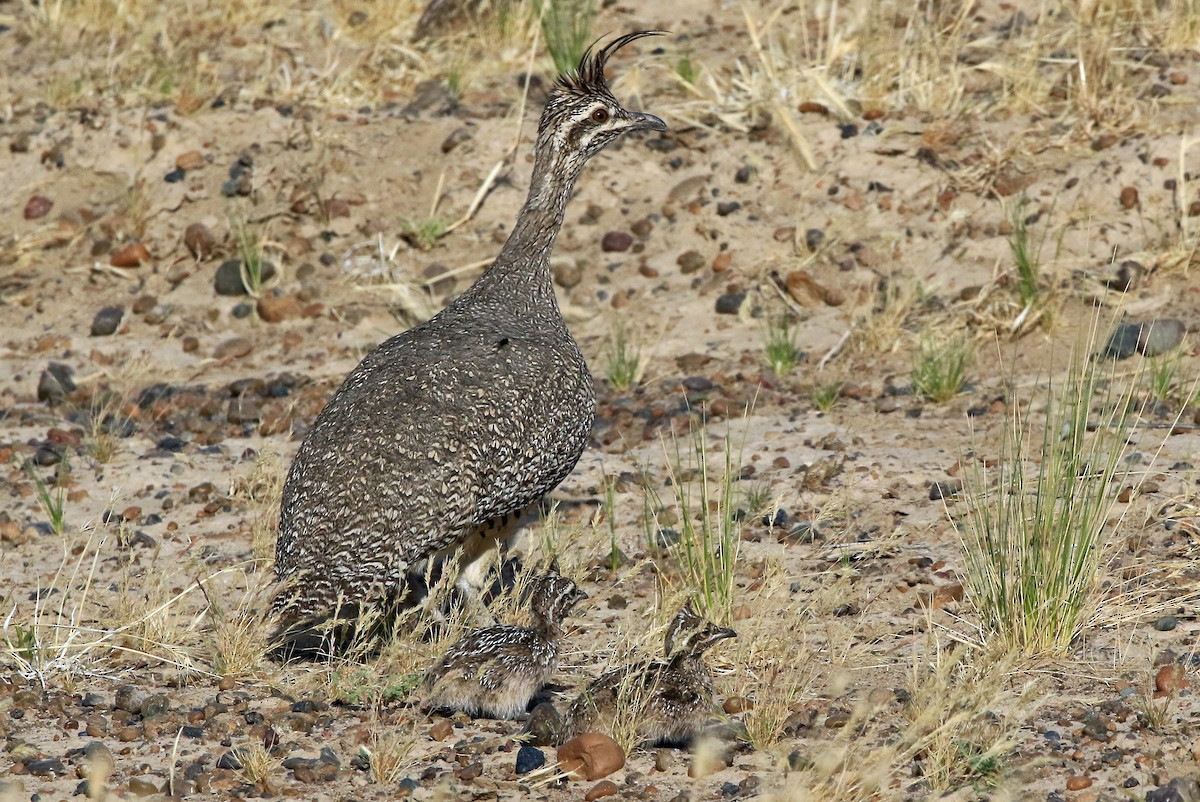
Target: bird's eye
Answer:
pixel 600 116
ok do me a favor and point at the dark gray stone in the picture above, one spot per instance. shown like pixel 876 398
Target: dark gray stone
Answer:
pixel 529 758
pixel 107 321
pixel 730 303
pixel 56 382
pixel 1160 336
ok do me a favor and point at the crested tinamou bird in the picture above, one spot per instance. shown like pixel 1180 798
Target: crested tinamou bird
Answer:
pixel 446 433
pixel 496 670
pixel 672 699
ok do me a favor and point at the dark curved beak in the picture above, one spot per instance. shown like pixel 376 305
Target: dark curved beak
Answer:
pixel 646 122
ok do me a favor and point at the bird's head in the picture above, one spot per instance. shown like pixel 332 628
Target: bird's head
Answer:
pixel 582 115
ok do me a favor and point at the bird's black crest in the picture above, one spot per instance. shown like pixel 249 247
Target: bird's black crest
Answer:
pixel 589 75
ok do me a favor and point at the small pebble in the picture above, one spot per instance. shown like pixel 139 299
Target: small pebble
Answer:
pixel 1166 623
pixel 132 255
pixel 690 262
pixel 591 756
pixel 1078 783
pixel 529 758
pixel 199 241
pixel 602 789
pixel 730 303
pixel 37 207
pixel 616 242
pixel 107 321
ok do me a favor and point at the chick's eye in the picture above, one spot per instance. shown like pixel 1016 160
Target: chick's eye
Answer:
pixel 600 116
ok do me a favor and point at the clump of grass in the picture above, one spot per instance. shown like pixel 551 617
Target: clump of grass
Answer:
pixel 424 233
pixel 53 502
pixel 1026 258
pixel 940 367
pixel 250 252
pixel 776 668
pixel 709 533
pixel 687 70
pixel 1035 535
pixel 955 735
pixel 238 636
pixel 1164 381
pixel 779 344
pixel 566 27
pixel 880 328
pixel 105 422
pixel 262 488
pixel 956 722
pixel 825 396
pixel 48 641
pixel 258 764
pixel 610 519
pixel 388 754
pixel 624 363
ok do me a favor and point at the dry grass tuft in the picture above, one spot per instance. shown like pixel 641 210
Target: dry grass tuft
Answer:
pixel 262 488
pixel 389 753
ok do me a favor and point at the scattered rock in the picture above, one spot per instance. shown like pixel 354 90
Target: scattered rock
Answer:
pixel 1188 788
pixel 1150 339
pixel 945 490
pixel 234 347
pixel 37 207
pixel 1164 794
pixel 806 291
pixel 48 767
pixel 602 789
pixel 1078 783
pixel 690 262
pixel 107 321
pixel 529 758
pixel 457 137
pixel 199 241
pixel 616 242
pixel 142 786
pixel 276 309
pixel 1129 198
pixel 567 273
pixel 56 383
pixel 1166 623
pixel 228 278
pixel 190 160
pixel 737 704
pixel 590 756
pixel 1170 679
pixel 730 303
pixel 1160 336
pixel 129 698
pixel 132 255
pixel 441 730
pixel 1122 343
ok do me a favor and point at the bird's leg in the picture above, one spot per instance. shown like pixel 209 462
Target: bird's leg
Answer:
pixel 472 580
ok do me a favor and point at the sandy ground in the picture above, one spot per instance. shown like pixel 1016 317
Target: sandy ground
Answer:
pixel 179 420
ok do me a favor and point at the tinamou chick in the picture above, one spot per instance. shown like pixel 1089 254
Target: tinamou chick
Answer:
pixel 494 671
pixel 672 698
